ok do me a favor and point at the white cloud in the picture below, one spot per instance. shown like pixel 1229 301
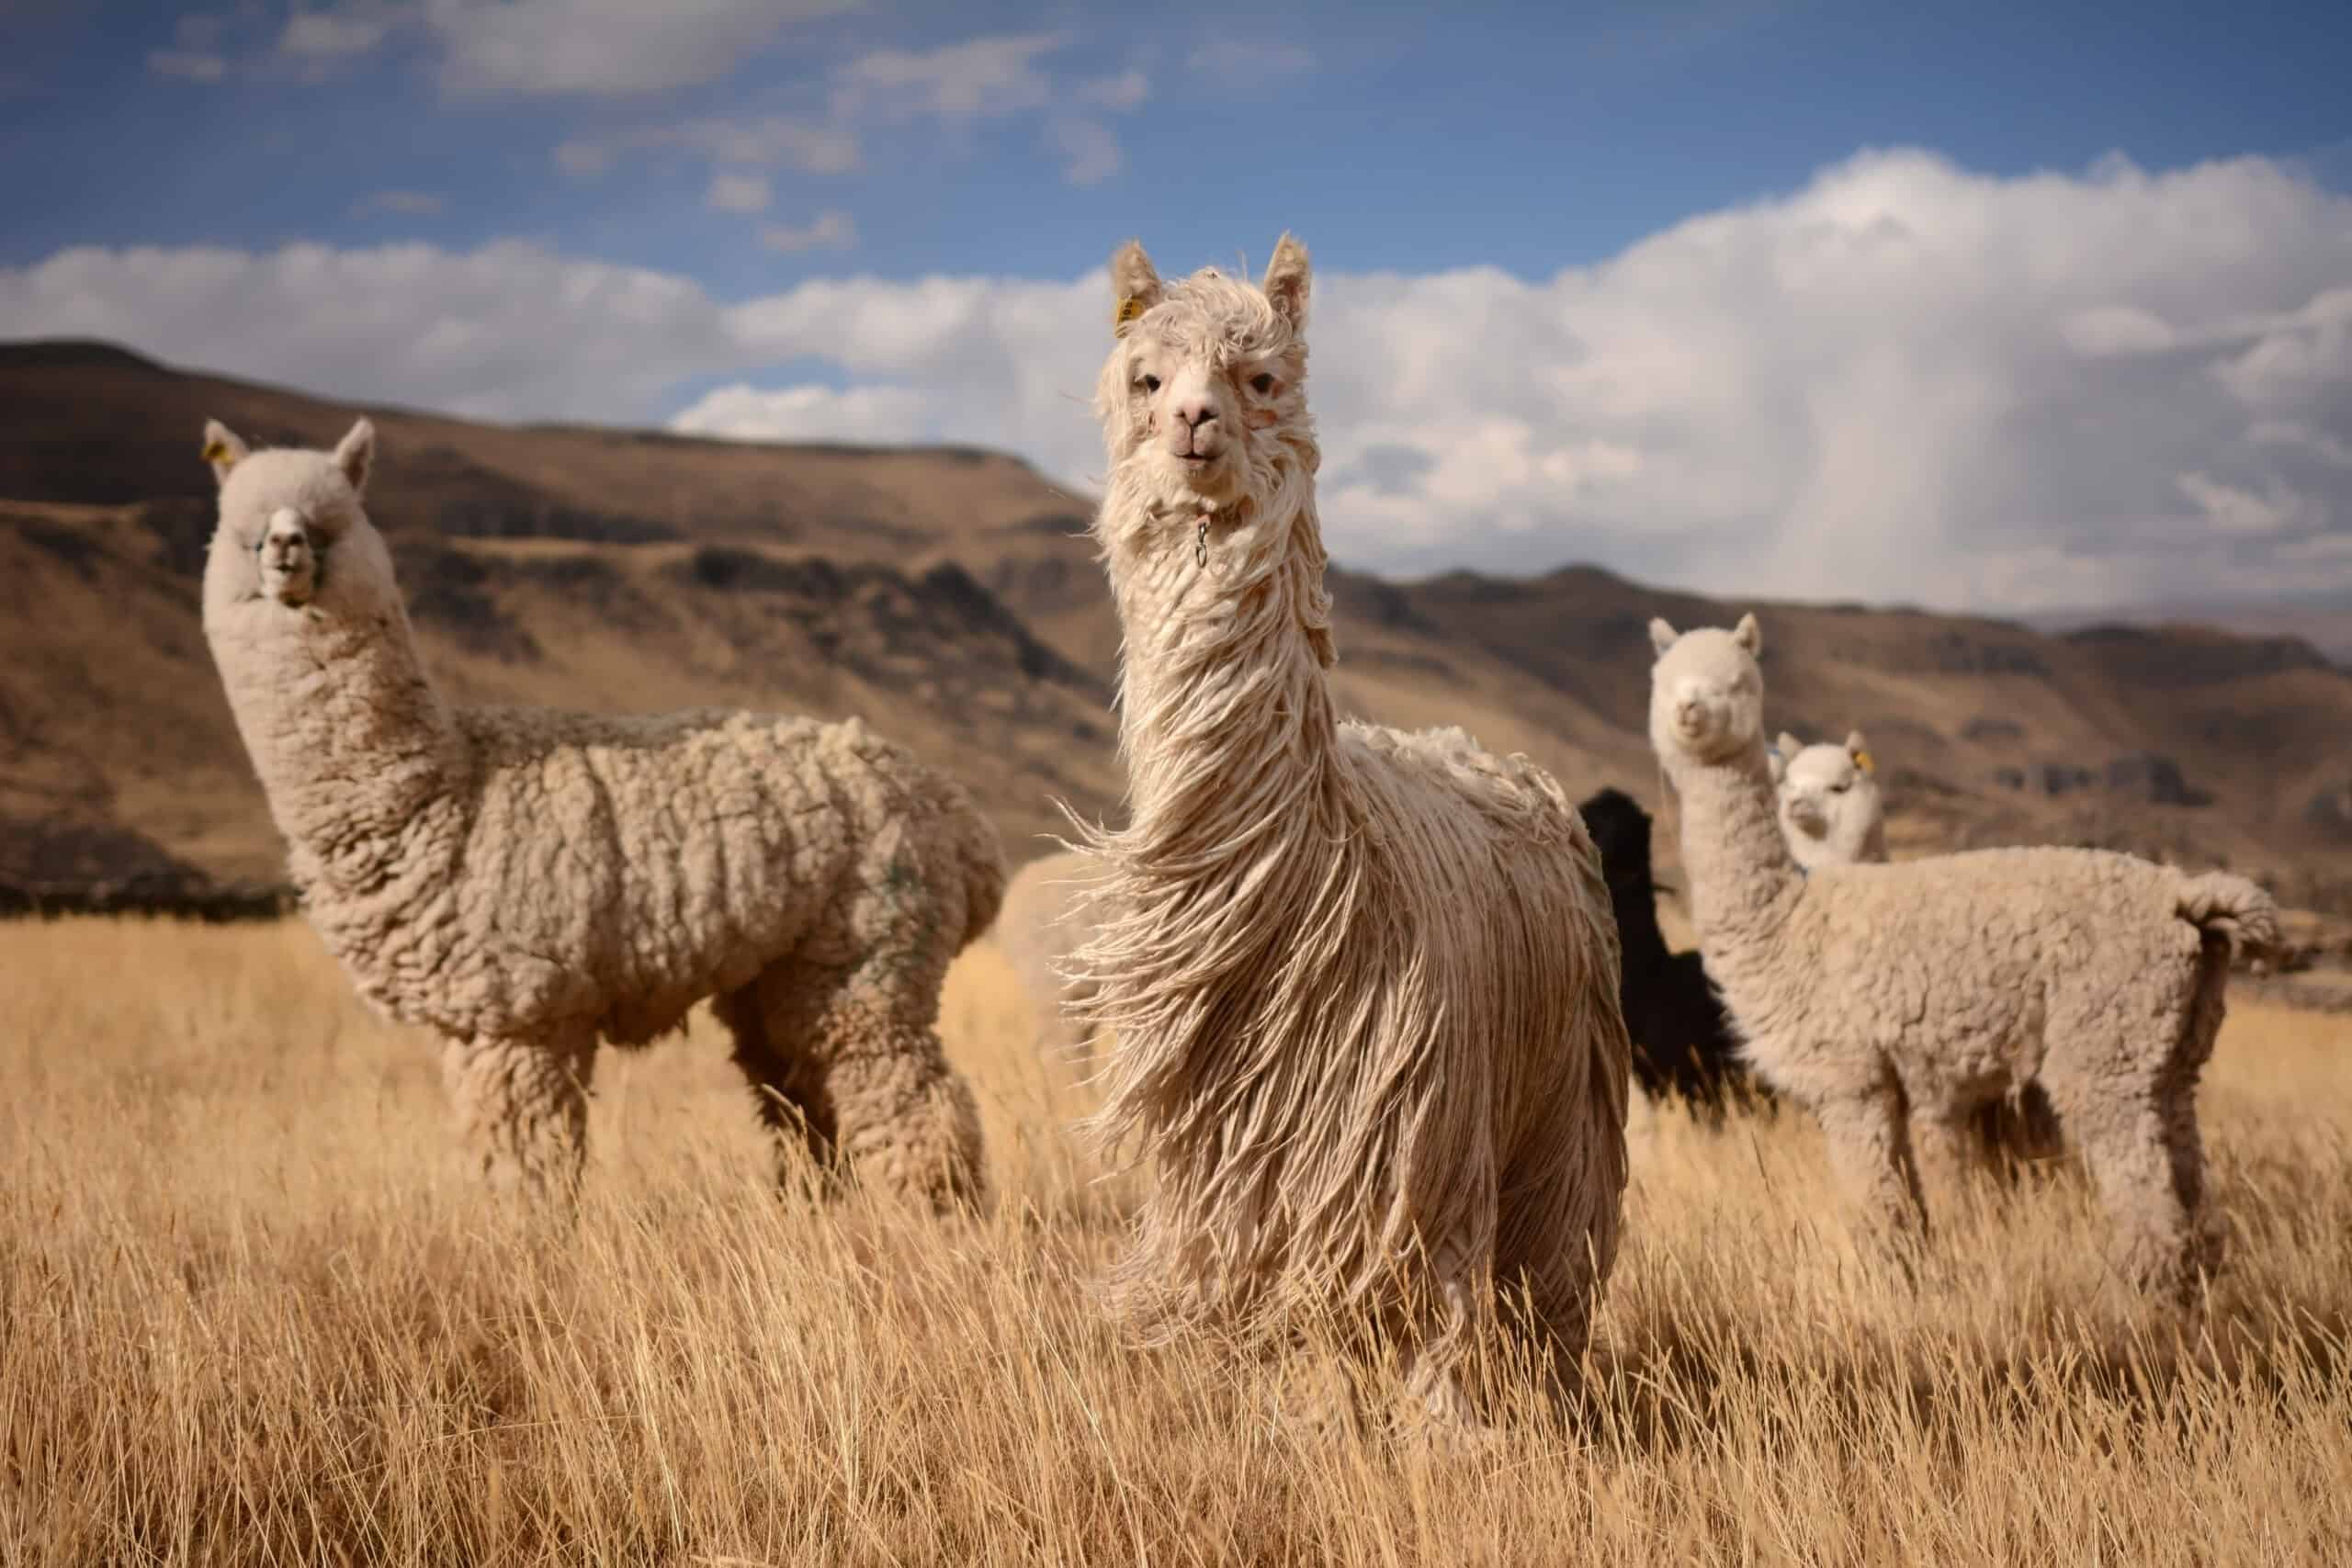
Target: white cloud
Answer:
pixel 354 27
pixel 769 142
pixel 732 191
pixel 980 77
pixel 828 230
pixel 407 203
pixel 1902 382
pixel 189 66
pixel 1089 152
pixel 580 47
pixel 1119 93
pixel 874 415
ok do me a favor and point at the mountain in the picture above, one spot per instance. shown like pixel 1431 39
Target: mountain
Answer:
pixel 952 597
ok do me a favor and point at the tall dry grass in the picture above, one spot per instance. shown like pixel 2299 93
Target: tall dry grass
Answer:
pixel 254 1307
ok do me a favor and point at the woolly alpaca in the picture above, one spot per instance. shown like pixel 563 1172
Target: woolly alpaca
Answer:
pixel 1939 985
pixel 1832 813
pixel 1830 809
pixel 1683 1043
pixel 1041 926
pixel 1364 982
pixel 523 881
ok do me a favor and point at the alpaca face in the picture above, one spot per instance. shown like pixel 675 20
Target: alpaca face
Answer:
pixel 1829 802
pixel 292 538
pixel 1706 691
pixel 1204 398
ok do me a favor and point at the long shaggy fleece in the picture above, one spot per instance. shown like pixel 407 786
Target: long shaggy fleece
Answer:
pixel 1937 985
pixel 525 881
pixel 1363 983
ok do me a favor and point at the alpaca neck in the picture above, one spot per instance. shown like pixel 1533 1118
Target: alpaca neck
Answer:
pixel 1743 878
pixel 1639 938
pixel 1225 720
pixel 352 743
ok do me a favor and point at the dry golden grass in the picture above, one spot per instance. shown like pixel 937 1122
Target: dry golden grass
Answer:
pixel 255 1308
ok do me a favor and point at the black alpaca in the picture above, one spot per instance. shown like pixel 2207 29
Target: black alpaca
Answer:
pixel 1683 1043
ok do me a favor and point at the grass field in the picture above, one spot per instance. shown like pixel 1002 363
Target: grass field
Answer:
pixel 255 1308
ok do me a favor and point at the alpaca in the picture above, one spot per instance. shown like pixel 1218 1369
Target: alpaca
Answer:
pixel 1683 1043
pixel 1830 809
pixel 1934 985
pixel 1363 983
pixel 1832 813
pixel 523 881
pixel 1041 926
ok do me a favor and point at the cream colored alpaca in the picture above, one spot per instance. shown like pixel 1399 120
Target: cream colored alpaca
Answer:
pixel 1830 808
pixel 1832 813
pixel 1934 985
pixel 1363 983
pixel 1042 925
pixel 523 881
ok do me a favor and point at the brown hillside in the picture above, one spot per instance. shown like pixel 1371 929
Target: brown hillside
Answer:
pixel 952 597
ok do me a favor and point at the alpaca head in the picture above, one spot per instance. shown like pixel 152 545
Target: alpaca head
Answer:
pixel 292 540
pixel 1204 398
pixel 1829 799
pixel 1706 691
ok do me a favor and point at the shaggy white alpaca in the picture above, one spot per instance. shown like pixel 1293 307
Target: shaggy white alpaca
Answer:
pixel 1044 922
pixel 1363 983
pixel 1830 808
pixel 523 881
pixel 1936 986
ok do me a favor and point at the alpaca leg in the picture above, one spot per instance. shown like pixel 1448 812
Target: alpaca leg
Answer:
pixel 1869 1148
pixel 2132 1159
pixel 523 1105
pixel 902 1116
pixel 1949 1149
pixel 768 1050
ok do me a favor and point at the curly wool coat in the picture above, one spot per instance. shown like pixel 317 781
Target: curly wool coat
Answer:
pixel 523 880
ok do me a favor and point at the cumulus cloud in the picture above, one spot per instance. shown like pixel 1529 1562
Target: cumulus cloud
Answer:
pixel 980 76
pixel 734 191
pixel 828 230
pixel 1089 151
pixel 1902 382
pixel 767 140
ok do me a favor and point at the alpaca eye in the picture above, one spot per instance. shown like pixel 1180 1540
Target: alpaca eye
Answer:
pixel 1151 383
pixel 1263 382
pixel 1841 786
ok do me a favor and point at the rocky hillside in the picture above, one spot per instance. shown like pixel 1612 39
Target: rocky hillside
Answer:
pixel 950 597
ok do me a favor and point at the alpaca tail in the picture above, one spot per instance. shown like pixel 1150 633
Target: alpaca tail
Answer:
pixel 2231 909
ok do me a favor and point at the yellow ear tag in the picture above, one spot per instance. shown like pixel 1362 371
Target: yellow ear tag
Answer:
pixel 218 452
pixel 1862 760
pixel 1129 309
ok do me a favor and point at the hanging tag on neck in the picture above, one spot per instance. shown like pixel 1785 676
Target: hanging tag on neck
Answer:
pixel 1201 543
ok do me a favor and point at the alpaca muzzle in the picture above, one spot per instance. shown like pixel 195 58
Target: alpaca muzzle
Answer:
pixel 288 564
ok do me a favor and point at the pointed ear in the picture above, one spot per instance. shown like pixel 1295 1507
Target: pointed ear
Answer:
pixel 1748 635
pixel 356 454
pixel 1286 279
pixel 1859 751
pixel 1788 745
pixel 1661 635
pixel 223 449
pixel 1778 760
pixel 1134 286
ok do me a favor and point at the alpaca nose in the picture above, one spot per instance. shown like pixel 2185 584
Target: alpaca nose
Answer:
pixel 1196 413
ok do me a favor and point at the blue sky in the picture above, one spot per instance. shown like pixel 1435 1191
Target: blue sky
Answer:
pixel 705 173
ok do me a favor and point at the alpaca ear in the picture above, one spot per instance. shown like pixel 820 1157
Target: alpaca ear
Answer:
pixel 356 453
pixel 1859 751
pixel 1778 760
pixel 1135 285
pixel 223 449
pixel 1286 279
pixel 1788 745
pixel 1661 635
pixel 1748 635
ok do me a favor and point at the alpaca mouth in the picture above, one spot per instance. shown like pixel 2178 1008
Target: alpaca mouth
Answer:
pixel 1809 821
